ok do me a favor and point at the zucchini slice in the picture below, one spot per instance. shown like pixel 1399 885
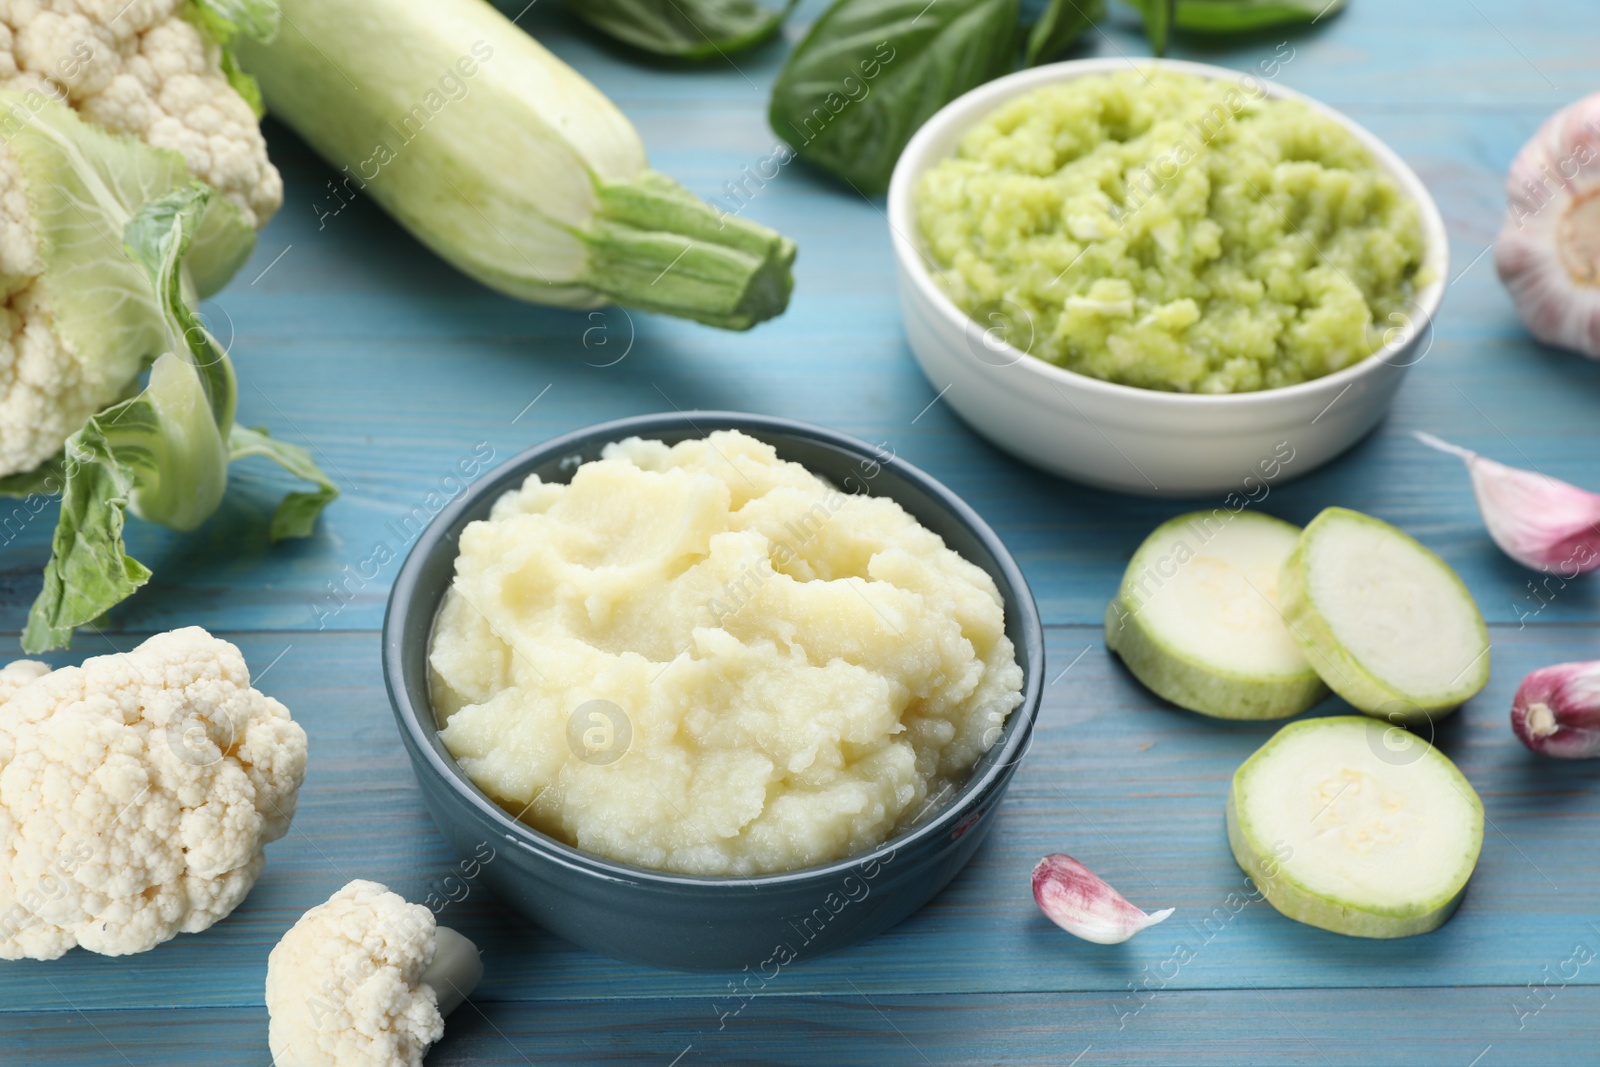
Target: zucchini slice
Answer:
pixel 1384 621
pixel 1356 827
pixel 1197 620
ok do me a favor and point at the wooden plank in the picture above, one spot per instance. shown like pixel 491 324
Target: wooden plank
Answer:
pixel 392 366
pixel 389 420
pixel 352 339
pixel 1132 787
pixel 1376 1027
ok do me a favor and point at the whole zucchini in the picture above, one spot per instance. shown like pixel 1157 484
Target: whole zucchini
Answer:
pixel 506 162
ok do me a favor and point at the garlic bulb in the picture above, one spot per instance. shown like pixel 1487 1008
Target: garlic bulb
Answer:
pixel 1548 251
pixel 1081 903
pixel 1538 521
pixel 1557 711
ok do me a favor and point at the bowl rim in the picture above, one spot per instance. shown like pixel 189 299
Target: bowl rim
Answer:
pixel 972 106
pixel 439 536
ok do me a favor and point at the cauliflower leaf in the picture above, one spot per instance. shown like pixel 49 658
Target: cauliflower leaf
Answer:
pixel 297 515
pixel 256 19
pixel 164 453
pixel 225 21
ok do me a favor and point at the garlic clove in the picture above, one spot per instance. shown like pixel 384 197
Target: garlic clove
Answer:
pixel 1556 711
pixel 1548 250
pixel 1077 900
pixel 1540 522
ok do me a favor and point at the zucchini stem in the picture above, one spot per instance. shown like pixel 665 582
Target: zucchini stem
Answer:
pixel 655 246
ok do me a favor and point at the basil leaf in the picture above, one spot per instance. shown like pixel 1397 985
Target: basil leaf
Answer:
pixel 688 29
pixel 1158 17
pixel 1062 23
pixel 871 72
pixel 1237 16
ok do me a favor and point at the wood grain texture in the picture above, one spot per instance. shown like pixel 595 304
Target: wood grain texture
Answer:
pixel 351 339
pixel 1382 1027
pixel 1131 786
pixel 366 347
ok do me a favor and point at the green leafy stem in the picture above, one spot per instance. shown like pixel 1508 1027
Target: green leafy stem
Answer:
pixel 162 454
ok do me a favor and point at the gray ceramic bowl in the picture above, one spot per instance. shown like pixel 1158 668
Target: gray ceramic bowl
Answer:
pixel 682 921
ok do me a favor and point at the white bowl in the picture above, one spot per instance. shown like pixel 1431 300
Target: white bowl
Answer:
pixel 1119 437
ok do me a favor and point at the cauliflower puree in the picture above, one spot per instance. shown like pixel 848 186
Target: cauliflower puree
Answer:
pixel 796 672
pixel 1172 232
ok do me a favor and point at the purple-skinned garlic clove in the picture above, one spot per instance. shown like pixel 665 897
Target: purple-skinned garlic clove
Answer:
pixel 1556 711
pixel 1540 522
pixel 1081 903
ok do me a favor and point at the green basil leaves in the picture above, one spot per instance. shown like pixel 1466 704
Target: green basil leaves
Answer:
pixel 1062 23
pixel 686 29
pixel 871 72
pixel 1158 15
pixel 1240 16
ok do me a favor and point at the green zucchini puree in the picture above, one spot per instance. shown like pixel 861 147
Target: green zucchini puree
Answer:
pixel 1171 232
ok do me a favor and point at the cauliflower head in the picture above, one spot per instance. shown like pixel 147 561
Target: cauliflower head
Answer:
pixel 136 793
pixel 345 985
pixel 144 69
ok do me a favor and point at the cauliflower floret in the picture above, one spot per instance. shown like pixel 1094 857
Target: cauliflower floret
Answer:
pixel 365 980
pixel 136 793
pixel 46 393
pixel 20 261
pixel 18 673
pixel 144 69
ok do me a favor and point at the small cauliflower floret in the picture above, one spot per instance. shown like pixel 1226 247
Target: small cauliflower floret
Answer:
pixel 18 673
pixel 365 980
pixel 136 793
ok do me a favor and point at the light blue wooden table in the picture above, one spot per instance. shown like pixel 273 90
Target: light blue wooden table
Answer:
pixel 352 340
